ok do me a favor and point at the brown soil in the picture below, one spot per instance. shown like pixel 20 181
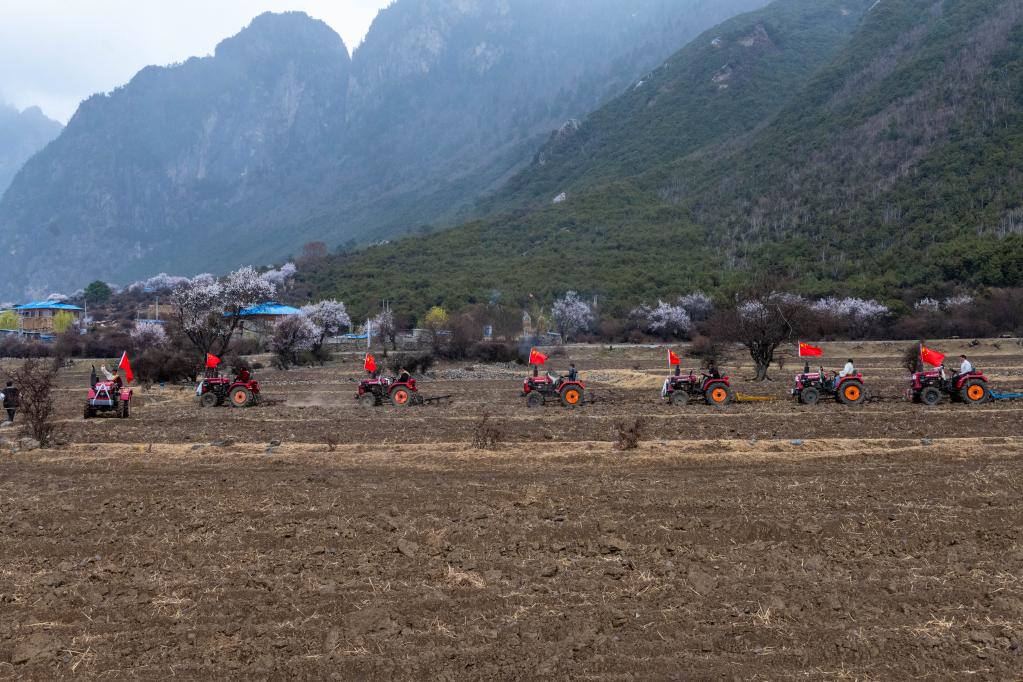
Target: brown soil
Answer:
pixel 760 541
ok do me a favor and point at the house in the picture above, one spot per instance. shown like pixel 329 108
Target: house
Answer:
pixel 47 316
pixel 260 319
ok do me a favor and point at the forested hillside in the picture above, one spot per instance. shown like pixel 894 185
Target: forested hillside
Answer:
pixel 891 168
pixel 279 138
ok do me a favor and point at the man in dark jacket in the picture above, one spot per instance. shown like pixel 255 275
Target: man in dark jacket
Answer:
pixel 11 400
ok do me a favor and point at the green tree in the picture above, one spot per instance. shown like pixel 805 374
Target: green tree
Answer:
pixel 436 320
pixel 98 292
pixel 62 321
pixel 8 320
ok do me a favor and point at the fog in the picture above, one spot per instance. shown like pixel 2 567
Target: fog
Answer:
pixel 55 53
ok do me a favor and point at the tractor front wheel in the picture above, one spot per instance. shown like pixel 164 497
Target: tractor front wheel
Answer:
pixel 974 392
pixel 572 397
pixel 123 410
pixel 241 397
pixel 535 399
pixel 367 400
pixel 719 396
pixel 930 396
pixel 809 396
pixel 208 400
pixel 679 398
pixel 89 411
pixel 852 393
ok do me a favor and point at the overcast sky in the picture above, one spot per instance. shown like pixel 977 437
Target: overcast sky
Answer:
pixel 55 53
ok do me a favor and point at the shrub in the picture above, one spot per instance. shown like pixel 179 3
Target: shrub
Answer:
pixel 35 381
pixel 627 434
pixel 157 365
pixel 487 351
pixel 485 434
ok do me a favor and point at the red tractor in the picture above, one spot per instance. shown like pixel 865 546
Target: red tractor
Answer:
pixel 215 391
pixel 537 390
pixel 388 391
pixel 713 390
pixel 106 396
pixel 930 387
pixel 812 386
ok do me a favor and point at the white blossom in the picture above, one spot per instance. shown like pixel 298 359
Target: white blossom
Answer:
pixel 330 316
pixel 383 324
pixel 281 276
pixel 571 315
pixel 853 309
pixel 146 335
pixel 291 336
pixel 208 310
pixel 665 319
pixel 699 305
pixel 56 298
pixel 957 301
pixel 927 305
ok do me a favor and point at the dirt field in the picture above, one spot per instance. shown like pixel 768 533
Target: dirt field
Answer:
pixel 762 541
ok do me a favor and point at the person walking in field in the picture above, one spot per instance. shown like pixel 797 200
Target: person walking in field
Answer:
pixel 11 400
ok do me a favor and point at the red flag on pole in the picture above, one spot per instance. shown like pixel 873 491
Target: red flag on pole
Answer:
pixel 370 364
pixel 125 365
pixel 808 351
pixel 212 361
pixel 931 357
pixel 537 358
pixel 673 359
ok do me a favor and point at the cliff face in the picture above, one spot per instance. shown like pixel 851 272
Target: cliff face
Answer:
pixel 22 134
pixel 279 138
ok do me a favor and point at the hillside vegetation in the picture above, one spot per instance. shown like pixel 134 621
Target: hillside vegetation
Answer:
pixel 887 166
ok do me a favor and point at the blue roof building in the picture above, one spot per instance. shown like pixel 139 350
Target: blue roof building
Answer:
pixel 39 316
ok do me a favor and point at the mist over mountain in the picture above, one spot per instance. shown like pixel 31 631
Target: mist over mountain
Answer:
pixel 850 147
pixel 280 138
pixel 22 134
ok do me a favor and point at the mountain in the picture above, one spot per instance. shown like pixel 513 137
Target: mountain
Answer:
pixel 883 160
pixel 279 138
pixel 624 230
pixel 22 134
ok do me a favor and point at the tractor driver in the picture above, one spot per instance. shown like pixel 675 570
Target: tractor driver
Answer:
pixel 965 368
pixel 573 373
pixel 404 376
pixel 244 376
pixel 112 377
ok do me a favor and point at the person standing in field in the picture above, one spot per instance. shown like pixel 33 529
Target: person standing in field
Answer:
pixel 11 400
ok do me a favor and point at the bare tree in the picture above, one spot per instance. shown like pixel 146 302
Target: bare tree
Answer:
pixel 35 381
pixel 762 323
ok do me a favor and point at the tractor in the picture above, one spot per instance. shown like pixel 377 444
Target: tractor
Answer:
pixel 106 396
pixel 215 391
pixel 388 391
pixel 713 390
pixel 931 386
pixel 537 390
pixel 812 386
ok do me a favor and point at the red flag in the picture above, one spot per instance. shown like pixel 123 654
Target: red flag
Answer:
pixel 673 359
pixel 129 376
pixel 537 358
pixel 931 357
pixel 212 360
pixel 370 364
pixel 808 351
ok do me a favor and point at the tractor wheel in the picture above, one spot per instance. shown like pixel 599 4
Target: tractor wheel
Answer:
pixel 930 396
pixel 572 396
pixel 89 411
pixel 208 400
pixel 535 399
pixel 719 396
pixel 401 397
pixel 679 398
pixel 241 397
pixel 974 392
pixel 367 401
pixel 809 396
pixel 123 410
pixel 852 393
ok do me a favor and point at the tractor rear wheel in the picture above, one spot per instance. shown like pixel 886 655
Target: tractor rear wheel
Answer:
pixel 930 396
pixel 208 400
pixel 572 396
pixel 719 396
pixel 535 399
pixel 852 393
pixel 367 400
pixel 679 398
pixel 974 392
pixel 241 397
pixel 401 397
pixel 809 396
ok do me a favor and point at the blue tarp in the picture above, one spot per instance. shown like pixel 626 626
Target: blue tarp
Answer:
pixel 270 308
pixel 47 305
